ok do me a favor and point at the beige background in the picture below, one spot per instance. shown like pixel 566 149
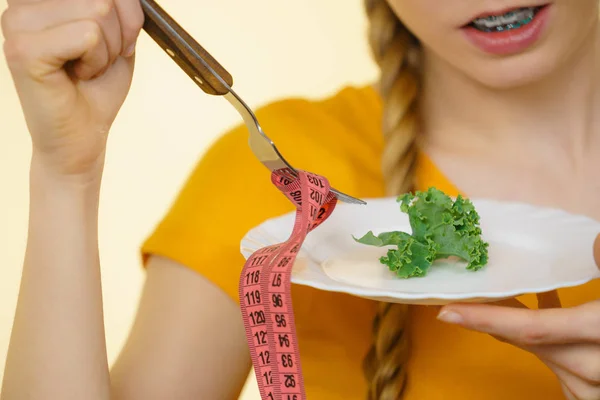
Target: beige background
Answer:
pixel 272 48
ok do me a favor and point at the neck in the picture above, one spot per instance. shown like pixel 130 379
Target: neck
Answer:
pixel 556 112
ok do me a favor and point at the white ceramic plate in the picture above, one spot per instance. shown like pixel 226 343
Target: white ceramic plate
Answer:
pixel 532 250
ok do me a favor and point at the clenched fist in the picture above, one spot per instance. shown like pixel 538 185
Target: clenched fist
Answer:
pixel 72 64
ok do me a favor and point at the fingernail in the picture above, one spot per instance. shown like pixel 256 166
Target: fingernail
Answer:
pixel 450 317
pixel 129 51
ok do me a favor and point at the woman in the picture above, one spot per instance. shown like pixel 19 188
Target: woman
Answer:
pixel 500 96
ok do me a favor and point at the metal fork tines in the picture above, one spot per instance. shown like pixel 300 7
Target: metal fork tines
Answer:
pixel 265 150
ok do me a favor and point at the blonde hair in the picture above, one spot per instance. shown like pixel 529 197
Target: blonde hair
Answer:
pixel 396 51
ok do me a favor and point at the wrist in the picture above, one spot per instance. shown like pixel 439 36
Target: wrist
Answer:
pixel 44 172
pixel 59 202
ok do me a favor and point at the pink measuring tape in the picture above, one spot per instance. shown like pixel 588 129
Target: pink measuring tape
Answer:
pixel 265 290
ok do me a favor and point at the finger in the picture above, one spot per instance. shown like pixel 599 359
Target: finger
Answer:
pixel 41 55
pixel 111 29
pixel 597 250
pixel 511 302
pixel 549 300
pixel 32 17
pixel 529 327
pixel 568 394
pixel 14 2
pixel 574 388
pixel 131 17
pixel 581 360
pixel 566 379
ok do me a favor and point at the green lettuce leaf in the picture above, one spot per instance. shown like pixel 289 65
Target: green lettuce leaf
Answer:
pixel 411 258
pixel 440 227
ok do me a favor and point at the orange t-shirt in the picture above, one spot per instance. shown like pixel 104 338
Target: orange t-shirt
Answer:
pixel 230 192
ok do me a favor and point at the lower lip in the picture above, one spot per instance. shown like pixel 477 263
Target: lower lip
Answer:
pixel 512 41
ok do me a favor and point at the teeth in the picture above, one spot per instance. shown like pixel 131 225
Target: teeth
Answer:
pixel 520 16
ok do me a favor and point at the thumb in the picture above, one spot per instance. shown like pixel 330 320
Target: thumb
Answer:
pixel 597 250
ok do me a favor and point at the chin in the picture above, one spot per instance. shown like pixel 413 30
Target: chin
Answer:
pixel 514 72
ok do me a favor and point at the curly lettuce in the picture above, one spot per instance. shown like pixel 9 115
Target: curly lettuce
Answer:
pixel 440 227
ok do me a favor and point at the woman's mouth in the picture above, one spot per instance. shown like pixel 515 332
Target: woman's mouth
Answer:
pixel 508 31
pixel 513 19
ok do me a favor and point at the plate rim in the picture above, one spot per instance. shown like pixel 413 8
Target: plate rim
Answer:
pixel 339 287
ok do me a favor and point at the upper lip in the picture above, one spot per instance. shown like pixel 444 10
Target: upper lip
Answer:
pixel 501 11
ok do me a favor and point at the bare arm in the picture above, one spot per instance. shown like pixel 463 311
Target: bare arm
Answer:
pixel 72 65
pixel 187 341
pixel 57 348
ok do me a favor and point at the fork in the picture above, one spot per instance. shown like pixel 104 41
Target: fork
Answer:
pixel 214 80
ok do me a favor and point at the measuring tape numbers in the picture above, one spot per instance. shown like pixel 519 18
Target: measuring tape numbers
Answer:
pixel 265 290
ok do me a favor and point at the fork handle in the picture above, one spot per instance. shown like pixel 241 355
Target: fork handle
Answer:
pixel 192 58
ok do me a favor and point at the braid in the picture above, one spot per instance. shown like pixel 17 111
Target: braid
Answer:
pixel 395 50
